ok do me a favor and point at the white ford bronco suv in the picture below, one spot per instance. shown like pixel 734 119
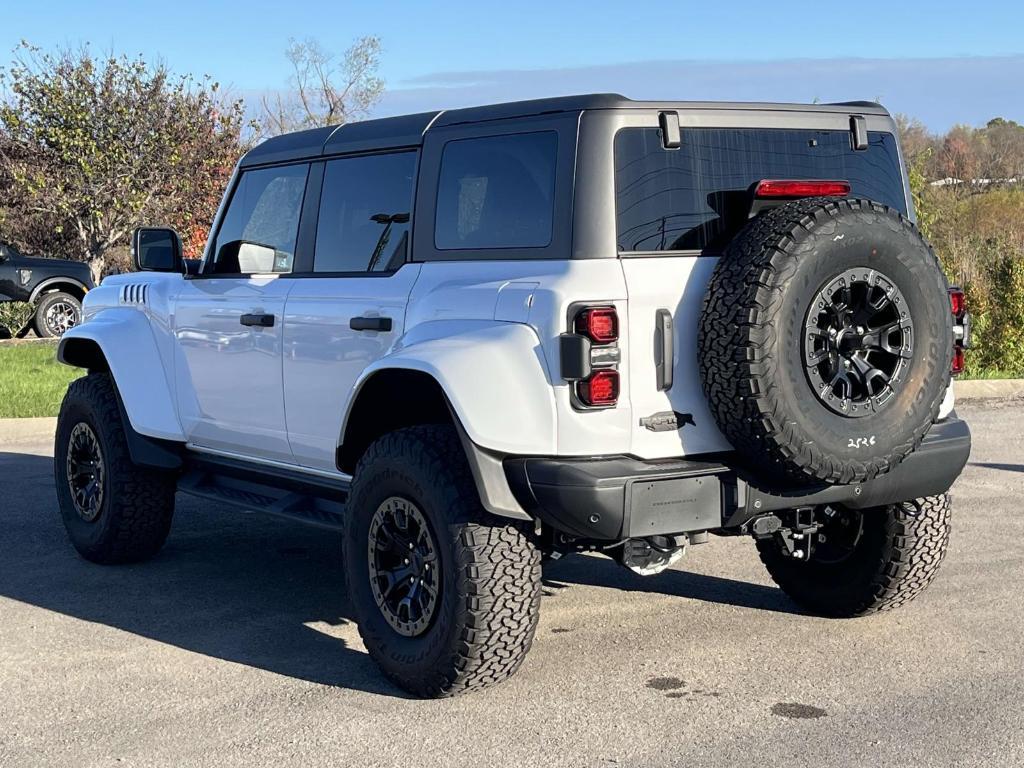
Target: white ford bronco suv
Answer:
pixel 470 339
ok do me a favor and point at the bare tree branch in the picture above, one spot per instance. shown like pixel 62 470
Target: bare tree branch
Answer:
pixel 324 91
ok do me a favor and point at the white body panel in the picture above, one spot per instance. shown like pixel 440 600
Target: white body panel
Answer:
pixel 135 339
pixel 126 338
pixel 324 357
pixel 538 293
pixel 493 377
pixel 229 390
pixel 678 284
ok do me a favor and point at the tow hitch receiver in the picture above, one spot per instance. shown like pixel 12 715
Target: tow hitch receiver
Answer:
pixel 794 530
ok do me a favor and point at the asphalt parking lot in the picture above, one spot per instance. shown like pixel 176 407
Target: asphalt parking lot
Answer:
pixel 234 647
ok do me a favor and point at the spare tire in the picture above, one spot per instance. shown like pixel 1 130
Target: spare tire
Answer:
pixel 825 341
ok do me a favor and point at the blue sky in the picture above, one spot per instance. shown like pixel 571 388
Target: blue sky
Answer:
pixel 942 61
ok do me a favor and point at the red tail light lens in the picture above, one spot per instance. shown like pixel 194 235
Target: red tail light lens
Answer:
pixel 599 324
pixel 957 366
pixel 794 188
pixel 602 388
pixel 961 329
pixel 957 302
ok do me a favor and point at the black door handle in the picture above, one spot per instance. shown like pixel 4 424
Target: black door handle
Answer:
pixel 370 323
pixel 260 321
pixel 663 355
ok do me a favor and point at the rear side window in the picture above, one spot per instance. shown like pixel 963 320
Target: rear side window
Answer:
pixel 697 196
pixel 262 222
pixel 497 192
pixel 365 207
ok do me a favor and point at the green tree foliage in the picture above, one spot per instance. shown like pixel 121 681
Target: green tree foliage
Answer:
pixel 14 317
pixel 968 191
pixel 91 147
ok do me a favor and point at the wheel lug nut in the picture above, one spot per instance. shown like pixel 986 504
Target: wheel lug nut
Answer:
pixel 405 561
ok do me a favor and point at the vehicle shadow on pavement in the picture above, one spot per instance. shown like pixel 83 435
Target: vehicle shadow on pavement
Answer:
pixel 232 586
pixel 995 465
pixel 603 572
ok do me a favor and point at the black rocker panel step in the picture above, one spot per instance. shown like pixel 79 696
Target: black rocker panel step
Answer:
pixel 319 503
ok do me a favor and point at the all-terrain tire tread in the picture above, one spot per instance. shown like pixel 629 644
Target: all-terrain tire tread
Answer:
pixel 737 333
pixel 499 567
pixel 141 500
pixel 915 542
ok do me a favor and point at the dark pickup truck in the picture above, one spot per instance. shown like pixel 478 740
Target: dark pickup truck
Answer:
pixel 55 287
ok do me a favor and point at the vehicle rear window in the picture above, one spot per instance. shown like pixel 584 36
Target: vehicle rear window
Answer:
pixel 497 192
pixel 697 196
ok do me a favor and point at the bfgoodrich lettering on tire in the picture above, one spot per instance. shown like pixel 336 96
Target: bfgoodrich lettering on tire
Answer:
pixel 446 595
pixel 825 341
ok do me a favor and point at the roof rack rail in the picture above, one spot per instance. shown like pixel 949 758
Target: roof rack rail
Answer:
pixel 855 104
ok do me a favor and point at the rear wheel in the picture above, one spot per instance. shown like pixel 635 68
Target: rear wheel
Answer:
pixel 114 511
pixel 57 313
pixel 446 595
pixel 865 561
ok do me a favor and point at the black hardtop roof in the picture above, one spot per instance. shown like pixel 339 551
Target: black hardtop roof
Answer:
pixel 408 130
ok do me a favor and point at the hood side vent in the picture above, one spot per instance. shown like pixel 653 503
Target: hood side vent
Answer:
pixel 135 293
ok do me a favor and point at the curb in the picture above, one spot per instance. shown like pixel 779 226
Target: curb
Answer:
pixel 13 431
pixel 988 389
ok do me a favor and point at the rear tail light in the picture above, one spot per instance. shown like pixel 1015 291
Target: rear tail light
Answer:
pixel 590 357
pixel 957 303
pixel 961 329
pixel 795 188
pixel 601 389
pixel 959 359
pixel 599 324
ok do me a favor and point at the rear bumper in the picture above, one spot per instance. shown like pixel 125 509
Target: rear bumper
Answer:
pixel 617 497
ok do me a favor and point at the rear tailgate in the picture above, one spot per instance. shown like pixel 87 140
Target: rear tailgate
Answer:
pixel 676 285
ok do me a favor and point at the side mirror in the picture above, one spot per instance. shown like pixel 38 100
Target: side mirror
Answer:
pixel 247 258
pixel 157 249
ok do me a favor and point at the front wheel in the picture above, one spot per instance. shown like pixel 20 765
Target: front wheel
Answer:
pixel 114 511
pixel 445 594
pixel 865 561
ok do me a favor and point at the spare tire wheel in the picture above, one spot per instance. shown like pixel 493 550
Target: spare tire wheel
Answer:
pixel 825 341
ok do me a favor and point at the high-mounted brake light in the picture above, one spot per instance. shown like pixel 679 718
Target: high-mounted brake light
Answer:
pixel 599 324
pixel 795 188
pixel 601 389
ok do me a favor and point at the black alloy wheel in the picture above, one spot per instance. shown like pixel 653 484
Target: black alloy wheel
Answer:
pixel 86 472
pixel 403 562
pixel 859 336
